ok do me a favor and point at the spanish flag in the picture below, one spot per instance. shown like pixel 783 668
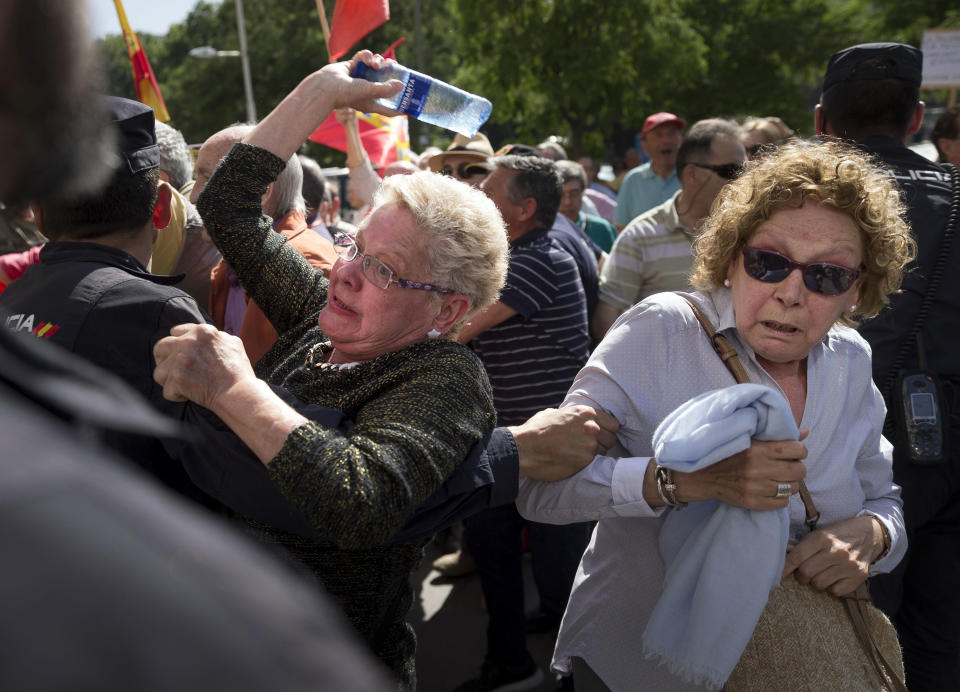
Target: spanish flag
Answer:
pixel 147 90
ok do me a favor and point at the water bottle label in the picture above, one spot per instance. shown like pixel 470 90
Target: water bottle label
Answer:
pixel 414 94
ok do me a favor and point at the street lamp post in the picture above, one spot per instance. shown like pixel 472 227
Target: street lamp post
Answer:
pixel 245 61
pixel 211 52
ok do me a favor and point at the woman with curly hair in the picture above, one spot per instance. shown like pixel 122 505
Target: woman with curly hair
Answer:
pixel 803 243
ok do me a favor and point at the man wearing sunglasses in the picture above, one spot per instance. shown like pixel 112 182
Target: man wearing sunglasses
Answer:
pixel 465 159
pixel 654 252
pixel 871 97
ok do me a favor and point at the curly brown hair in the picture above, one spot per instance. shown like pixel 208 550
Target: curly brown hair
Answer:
pixel 829 173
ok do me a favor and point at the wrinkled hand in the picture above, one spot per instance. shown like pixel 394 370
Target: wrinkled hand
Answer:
pixel 197 362
pixel 750 478
pixel 836 558
pixel 358 94
pixel 557 443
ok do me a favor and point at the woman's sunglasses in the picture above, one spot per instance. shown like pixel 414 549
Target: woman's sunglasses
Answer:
pixel 820 277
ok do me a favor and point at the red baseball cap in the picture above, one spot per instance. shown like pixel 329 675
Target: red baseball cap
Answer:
pixel 658 119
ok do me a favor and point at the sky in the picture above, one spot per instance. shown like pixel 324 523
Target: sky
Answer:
pixel 145 16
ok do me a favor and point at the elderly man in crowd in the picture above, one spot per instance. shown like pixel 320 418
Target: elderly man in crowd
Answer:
pixel 602 197
pixel 176 164
pixel 465 159
pixel 182 247
pixel 586 253
pixel 322 199
pixel 651 183
pixel 532 343
pixel 654 253
pixel 871 96
pixel 597 229
pixel 176 168
pixel 317 198
pixel 229 307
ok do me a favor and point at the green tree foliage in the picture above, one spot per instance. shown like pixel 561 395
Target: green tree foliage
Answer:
pixel 906 20
pixel 766 57
pixel 597 66
pixel 582 69
pixel 575 67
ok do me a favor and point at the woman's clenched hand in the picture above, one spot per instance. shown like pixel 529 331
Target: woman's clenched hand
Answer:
pixel 199 363
pixel 836 558
pixel 749 478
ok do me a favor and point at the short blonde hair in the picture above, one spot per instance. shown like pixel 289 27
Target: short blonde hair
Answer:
pixel 466 240
pixel 829 173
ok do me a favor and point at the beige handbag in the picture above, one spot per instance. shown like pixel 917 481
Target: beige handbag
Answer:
pixel 807 639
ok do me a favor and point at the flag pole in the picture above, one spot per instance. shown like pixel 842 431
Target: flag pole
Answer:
pixel 324 26
pixel 145 82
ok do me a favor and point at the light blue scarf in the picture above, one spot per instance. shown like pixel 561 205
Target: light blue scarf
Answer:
pixel 721 560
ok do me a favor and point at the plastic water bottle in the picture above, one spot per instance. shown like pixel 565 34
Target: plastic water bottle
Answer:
pixel 430 100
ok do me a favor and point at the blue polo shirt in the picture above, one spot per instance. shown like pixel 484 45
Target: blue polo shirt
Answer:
pixel 642 189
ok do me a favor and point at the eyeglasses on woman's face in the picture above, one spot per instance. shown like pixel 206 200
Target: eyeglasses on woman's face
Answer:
pixel 820 277
pixel 375 271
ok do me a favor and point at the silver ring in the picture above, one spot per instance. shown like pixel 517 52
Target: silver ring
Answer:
pixel 784 490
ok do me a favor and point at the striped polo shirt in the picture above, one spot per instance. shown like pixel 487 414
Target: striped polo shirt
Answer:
pixel 532 357
pixel 653 254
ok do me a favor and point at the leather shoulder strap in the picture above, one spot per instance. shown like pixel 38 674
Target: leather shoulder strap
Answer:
pixel 720 344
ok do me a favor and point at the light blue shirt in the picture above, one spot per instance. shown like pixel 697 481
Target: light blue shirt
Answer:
pixel 642 189
pixel 654 358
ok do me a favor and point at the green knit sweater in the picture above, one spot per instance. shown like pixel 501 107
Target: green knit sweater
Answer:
pixel 417 412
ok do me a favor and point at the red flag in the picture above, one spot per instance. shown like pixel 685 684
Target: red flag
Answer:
pixel 354 19
pixel 391 51
pixel 385 139
pixel 147 90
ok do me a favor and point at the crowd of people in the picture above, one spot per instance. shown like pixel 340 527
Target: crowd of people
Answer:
pixel 683 389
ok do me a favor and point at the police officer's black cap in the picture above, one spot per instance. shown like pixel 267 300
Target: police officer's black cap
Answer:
pixel 137 134
pixel 872 61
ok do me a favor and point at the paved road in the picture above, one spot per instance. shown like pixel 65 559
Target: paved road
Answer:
pixel 450 622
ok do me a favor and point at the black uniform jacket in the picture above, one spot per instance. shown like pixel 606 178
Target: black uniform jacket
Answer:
pixel 102 304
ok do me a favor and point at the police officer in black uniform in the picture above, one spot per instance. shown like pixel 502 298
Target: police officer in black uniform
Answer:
pixel 871 96
pixel 91 292
pixel 110 584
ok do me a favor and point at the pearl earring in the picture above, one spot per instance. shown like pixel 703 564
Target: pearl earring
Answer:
pixel 726 282
pixel 853 307
pixel 433 334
